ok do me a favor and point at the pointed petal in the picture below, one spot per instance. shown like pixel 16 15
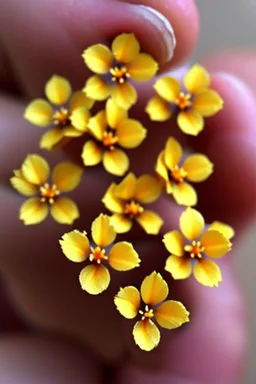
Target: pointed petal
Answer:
pixel 79 118
pixel 66 176
pixel 143 67
pixel 64 210
pixel 96 88
pixel 215 243
pixel 33 211
pixel 161 168
pixel 184 194
pixel 39 112
pixel 172 153
pixel 35 169
pixel 190 122
pixel 123 257
pixel 125 47
pixel 171 314
pixel 168 88
pixel 146 335
pixel 174 242
pixel 58 90
pixel 198 167
pixel 154 289
pixel 91 154
pixel 158 109
pixel 148 189
pixel 191 223
pixel 127 302
pixel 223 228
pixel 116 162
pixel 121 223
pixel 150 221
pixel 103 233
pixel 130 133
pixel 111 201
pixel 179 267
pixel 98 124
pixel 196 79
pixel 75 246
pixel 124 95
pixel 98 58
pixel 94 279
pixel 207 103
pixel 51 138
pixel 114 113
pixel 126 189
pixel 79 99
pixel 23 186
pixel 207 273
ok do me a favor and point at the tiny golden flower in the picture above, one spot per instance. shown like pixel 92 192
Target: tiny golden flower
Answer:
pixel 95 278
pixel 67 114
pixel 168 314
pixel 112 129
pixel 32 180
pixel 196 168
pixel 194 103
pixel 115 67
pixel 192 247
pixel 127 199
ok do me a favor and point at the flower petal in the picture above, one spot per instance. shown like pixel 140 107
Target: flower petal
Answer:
pixel 126 189
pixel 184 194
pixel 58 90
pixel 66 176
pixel 215 243
pixel 154 289
pixel 146 335
pixel 123 257
pixel 33 211
pixel 35 169
pixel 158 109
pixel 51 138
pixel 207 273
pixel 75 246
pixel 94 279
pixel 148 189
pixel 125 47
pixel 171 314
pixel 64 210
pixel 143 67
pixel 39 112
pixel 174 242
pixel 111 201
pixel 97 125
pixel 124 95
pixel 116 162
pixel 78 100
pixel 198 167
pixel 98 58
pixel 179 267
pixel 196 79
pixel 96 88
pixel 191 223
pixel 190 122
pixel 23 186
pixel 121 223
pixel 127 302
pixel 172 153
pixel 91 154
pixel 223 228
pixel 207 103
pixel 71 132
pixel 161 168
pixel 168 88
pixel 130 133
pixel 150 221
pixel 79 118
pixel 103 233
pixel 114 113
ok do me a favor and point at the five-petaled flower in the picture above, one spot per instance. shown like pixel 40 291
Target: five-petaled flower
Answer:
pixel 191 249
pixel 168 314
pixel 31 180
pixel 196 167
pixel 127 199
pixel 194 103
pixel 95 278
pixel 115 67
pixel 66 114
pixel 112 129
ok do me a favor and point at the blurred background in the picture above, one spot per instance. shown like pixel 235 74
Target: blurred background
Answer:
pixel 228 24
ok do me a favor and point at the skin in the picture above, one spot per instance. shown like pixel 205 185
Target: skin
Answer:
pixel 51 329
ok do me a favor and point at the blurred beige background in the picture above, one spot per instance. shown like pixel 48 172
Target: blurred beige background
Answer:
pixel 232 23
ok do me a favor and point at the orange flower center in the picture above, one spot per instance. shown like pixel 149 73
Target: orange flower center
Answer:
pixel 48 193
pixel 183 101
pixel 133 209
pixel 195 249
pixel 61 117
pixel 109 140
pixel 119 75
pixel 178 174
pixel 98 255
pixel 147 314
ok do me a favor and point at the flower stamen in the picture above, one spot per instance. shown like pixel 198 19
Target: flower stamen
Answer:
pixel 195 249
pixel 133 209
pixel 119 74
pixel 147 314
pixel 109 140
pixel 178 174
pixel 61 117
pixel 183 101
pixel 48 193
pixel 97 255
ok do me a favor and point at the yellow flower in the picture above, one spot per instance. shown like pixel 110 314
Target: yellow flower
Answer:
pixel 195 168
pixel 168 314
pixel 191 249
pixel 112 129
pixel 68 114
pixel 126 200
pixel 31 180
pixel 95 278
pixel 194 103
pixel 115 67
